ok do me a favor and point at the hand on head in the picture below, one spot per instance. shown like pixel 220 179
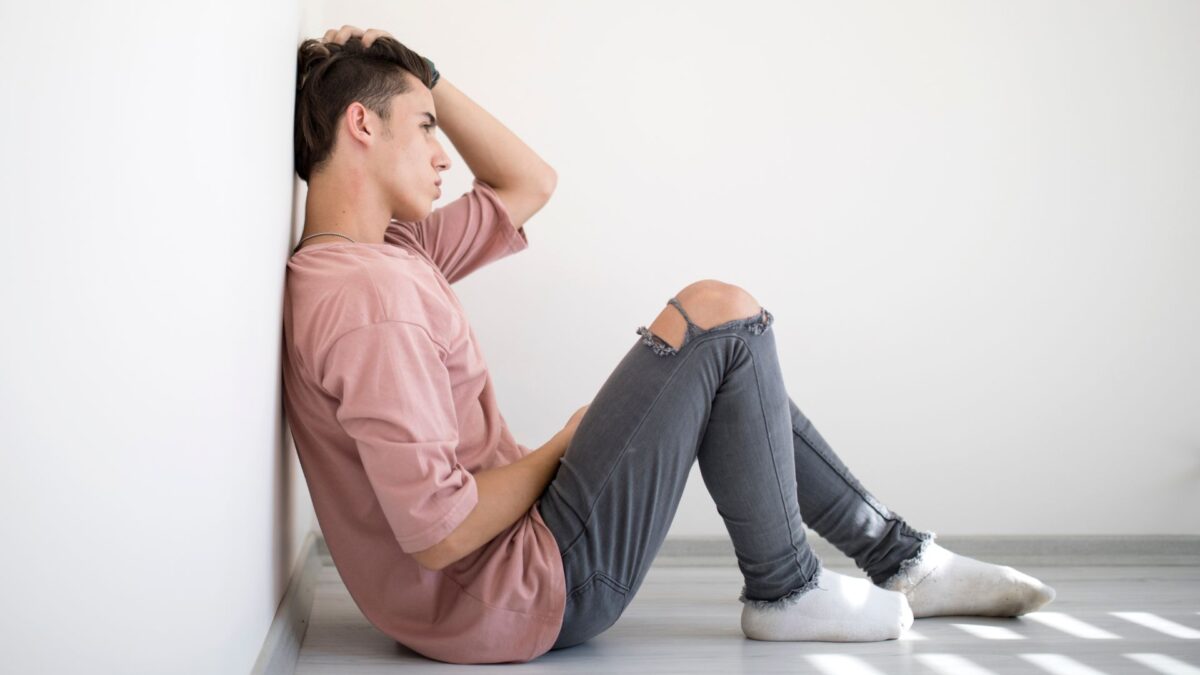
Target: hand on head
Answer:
pixel 341 36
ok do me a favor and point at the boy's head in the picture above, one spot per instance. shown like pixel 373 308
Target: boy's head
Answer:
pixel 366 114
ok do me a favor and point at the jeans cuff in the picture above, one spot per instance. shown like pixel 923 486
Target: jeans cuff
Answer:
pixel 786 601
pixel 902 581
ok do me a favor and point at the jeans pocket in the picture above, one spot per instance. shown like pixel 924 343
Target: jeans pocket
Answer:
pixel 592 608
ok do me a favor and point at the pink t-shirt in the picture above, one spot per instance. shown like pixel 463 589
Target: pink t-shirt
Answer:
pixel 392 409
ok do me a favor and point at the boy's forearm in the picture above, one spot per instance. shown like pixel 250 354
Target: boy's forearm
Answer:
pixel 505 494
pixel 494 154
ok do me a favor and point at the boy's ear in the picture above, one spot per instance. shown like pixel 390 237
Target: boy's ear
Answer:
pixel 358 122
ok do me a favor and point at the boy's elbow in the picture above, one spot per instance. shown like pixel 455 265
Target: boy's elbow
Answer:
pixel 549 182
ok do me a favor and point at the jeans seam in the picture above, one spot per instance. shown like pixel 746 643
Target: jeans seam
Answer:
pixel 592 507
pixel 602 578
pixel 861 493
pixel 611 581
pixel 701 338
pixel 771 450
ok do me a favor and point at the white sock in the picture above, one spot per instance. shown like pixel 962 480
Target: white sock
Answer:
pixel 944 583
pixel 839 609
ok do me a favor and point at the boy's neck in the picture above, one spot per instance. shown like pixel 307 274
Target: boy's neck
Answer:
pixel 344 207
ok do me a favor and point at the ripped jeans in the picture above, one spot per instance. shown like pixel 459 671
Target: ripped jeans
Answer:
pixel 720 400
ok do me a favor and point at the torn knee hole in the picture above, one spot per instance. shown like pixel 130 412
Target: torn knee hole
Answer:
pixel 660 346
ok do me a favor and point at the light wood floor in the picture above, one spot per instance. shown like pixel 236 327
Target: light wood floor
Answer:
pixel 685 619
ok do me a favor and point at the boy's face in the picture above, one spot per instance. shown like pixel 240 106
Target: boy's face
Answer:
pixel 407 161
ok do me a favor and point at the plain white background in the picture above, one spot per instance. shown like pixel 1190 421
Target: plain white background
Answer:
pixel 976 224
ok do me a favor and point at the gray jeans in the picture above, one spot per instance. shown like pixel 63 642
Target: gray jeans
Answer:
pixel 720 400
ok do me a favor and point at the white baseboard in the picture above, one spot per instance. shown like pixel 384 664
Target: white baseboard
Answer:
pixel 281 648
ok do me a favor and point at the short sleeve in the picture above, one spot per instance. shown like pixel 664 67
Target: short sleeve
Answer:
pixel 395 400
pixel 465 234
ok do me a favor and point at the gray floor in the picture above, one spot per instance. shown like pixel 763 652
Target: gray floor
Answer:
pixel 685 619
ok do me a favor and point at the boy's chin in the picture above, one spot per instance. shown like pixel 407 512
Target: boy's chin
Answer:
pixel 412 215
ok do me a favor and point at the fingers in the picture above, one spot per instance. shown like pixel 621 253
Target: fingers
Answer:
pixel 348 32
pixel 345 33
pixel 371 35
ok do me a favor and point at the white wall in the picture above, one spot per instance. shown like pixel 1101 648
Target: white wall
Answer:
pixel 976 224
pixel 152 512
pixel 973 222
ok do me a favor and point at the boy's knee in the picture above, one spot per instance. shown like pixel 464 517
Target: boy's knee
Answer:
pixel 708 303
pixel 711 303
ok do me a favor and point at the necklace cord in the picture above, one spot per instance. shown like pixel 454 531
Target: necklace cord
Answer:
pixel 319 234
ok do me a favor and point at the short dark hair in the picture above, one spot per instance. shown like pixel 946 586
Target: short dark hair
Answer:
pixel 329 77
